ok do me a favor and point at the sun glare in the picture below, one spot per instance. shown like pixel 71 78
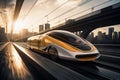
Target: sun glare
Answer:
pixel 17 26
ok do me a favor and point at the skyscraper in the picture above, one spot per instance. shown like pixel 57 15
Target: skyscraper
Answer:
pixel 115 35
pixel 2 34
pixel 118 35
pixel 47 26
pixel 111 30
pixel 100 35
pixel 41 28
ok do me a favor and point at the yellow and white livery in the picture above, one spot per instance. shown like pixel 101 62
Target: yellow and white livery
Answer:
pixel 64 44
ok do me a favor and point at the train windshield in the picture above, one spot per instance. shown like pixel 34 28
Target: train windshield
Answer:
pixel 71 39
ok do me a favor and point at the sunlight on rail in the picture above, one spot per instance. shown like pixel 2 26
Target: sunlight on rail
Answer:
pixel 19 70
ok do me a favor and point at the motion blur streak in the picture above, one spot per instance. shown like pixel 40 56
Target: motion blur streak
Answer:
pixel 15 67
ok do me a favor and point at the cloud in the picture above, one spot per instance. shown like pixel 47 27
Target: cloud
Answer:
pixel 6 3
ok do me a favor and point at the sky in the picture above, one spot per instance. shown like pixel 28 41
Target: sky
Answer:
pixel 36 12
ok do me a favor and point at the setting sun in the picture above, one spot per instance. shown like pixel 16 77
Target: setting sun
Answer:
pixel 17 26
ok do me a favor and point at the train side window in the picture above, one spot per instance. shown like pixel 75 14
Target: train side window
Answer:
pixel 71 39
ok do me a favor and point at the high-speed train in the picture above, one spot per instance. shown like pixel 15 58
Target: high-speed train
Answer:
pixel 64 44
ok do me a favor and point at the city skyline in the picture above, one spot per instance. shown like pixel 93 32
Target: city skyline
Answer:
pixel 102 29
pixel 112 37
pixel 105 29
pixel 33 12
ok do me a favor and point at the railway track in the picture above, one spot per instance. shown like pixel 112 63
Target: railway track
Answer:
pixel 41 65
pixel 100 69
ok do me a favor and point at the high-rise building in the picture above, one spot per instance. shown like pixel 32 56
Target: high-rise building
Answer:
pixel 41 28
pixel 111 30
pixel 2 34
pixel 100 35
pixel 118 35
pixel 104 35
pixel 47 26
pixel 115 36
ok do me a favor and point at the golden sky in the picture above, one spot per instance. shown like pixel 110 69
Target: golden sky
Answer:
pixel 36 12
